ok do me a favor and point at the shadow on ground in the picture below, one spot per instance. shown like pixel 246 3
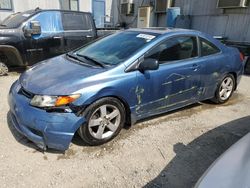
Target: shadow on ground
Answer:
pixel 192 160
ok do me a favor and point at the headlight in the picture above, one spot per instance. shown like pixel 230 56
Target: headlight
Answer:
pixel 53 101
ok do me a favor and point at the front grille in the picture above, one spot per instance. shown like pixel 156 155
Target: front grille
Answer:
pixel 25 93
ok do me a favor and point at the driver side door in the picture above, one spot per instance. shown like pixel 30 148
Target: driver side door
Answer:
pixel 49 42
pixel 177 81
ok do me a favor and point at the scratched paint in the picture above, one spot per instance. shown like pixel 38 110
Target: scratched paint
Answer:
pixel 164 99
pixel 216 74
pixel 179 78
pixel 170 105
pixel 139 92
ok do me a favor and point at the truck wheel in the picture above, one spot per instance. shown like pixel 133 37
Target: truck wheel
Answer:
pixel 104 120
pixel 3 69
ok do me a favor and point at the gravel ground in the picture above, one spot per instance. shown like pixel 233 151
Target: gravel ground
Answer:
pixel 171 150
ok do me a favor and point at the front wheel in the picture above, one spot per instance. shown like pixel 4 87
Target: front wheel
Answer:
pixel 225 89
pixel 105 119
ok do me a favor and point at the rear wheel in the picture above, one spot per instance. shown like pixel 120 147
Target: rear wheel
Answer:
pixel 225 89
pixel 3 69
pixel 104 120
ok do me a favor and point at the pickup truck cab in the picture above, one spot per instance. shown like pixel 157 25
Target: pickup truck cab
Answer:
pixel 35 35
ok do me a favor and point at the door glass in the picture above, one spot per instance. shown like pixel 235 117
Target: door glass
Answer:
pixel 178 48
pixel 50 22
pixel 76 21
pixel 207 48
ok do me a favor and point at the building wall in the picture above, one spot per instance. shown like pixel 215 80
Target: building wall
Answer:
pixel 19 6
pixel 85 5
pixel 206 17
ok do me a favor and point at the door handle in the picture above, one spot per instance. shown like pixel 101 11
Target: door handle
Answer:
pixel 195 67
pixel 89 36
pixel 57 37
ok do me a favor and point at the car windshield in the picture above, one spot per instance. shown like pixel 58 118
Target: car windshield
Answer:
pixel 15 20
pixel 116 48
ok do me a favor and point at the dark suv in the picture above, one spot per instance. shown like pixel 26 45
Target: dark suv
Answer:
pixel 31 36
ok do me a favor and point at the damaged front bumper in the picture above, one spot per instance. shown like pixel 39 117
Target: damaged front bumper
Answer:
pixel 47 130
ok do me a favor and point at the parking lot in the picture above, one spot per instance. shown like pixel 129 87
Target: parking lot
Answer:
pixel 171 150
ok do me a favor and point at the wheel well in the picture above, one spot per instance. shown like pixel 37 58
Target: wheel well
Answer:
pixel 123 102
pixel 11 56
pixel 127 109
pixel 235 78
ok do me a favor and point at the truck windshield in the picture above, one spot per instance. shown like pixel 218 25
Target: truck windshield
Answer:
pixel 116 48
pixel 15 20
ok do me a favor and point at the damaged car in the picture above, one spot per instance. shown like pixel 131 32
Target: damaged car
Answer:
pixel 119 79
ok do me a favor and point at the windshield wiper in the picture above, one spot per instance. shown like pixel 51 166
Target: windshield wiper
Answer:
pixel 91 59
pixel 3 25
pixel 76 58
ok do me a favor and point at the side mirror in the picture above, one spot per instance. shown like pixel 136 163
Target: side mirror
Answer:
pixel 33 28
pixel 149 64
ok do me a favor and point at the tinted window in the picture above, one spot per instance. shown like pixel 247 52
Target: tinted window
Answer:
pixel 76 21
pixel 207 48
pixel 174 49
pixel 116 48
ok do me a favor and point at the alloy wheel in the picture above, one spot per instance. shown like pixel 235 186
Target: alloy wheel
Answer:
pixel 226 88
pixel 104 121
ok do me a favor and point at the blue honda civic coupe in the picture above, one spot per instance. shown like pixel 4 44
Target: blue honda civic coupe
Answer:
pixel 120 79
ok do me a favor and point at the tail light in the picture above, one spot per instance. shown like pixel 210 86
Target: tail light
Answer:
pixel 242 56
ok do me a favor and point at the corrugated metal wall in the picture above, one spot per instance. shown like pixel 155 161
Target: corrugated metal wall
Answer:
pixel 206 17
pixel 159 18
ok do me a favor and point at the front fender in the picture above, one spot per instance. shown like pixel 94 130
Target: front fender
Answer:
pixel 108 92
pixel 13 55
pixel 94 96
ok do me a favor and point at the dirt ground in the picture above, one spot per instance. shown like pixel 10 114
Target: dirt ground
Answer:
pixel 171 150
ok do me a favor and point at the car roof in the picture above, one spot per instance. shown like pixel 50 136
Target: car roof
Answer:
pixel 37 10
pixel 163 30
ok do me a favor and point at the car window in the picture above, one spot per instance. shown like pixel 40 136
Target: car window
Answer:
pixel 76 21
pixel 207 48
pixel 50 21
pixel 174 49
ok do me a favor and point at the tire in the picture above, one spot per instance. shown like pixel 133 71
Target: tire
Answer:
pixel 104 120
pixel 3 69
pixel 225 89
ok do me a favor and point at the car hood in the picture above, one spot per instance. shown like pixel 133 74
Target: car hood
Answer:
pixel 9 35
pixel 231 169
pixel 57 76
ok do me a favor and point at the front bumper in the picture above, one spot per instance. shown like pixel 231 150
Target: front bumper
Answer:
pixel 52 130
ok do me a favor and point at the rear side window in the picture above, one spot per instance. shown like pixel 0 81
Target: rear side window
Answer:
pixel 75 21
pixel 208 48
pixel 178 48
